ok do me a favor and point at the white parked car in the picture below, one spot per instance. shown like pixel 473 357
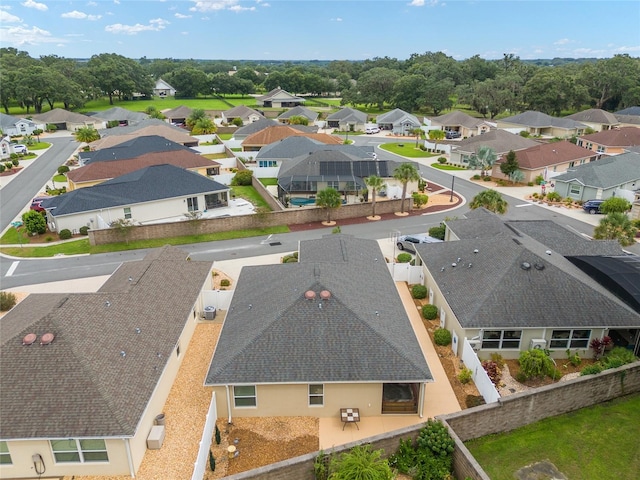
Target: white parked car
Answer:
pixel 407 242
pixel 370 130
pixel 19 148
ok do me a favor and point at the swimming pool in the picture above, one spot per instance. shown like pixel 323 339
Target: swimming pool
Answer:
pixel 300 201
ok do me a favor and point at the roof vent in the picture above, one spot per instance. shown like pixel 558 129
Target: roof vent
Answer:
pixel 548 252
pixel 107 303
pixel 325 294
pixel 29 339
pixel 475 250
pixel 123 353
pixel 454 264
pixel 538 266
pixel 47 338
pixel 138 330
pixel 309 294
pixel 525 266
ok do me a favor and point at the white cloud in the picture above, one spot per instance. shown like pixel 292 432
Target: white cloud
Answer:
pixel 184 33
pixel 76 15
pixel 33 4
pixel 238 8
pixel 74 34
pixel 337 19
pixel 216 5
pixel 6 17
pixel 154 26
pixel 28 36
pixel 181 15
pixel 92 4
pixel 422 3
pixel 117 2
pixel 263 4
pixel 562 41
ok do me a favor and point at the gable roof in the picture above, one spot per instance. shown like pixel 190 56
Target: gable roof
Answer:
pixel 500 140
pixel 115 168
pixel 156 182
pixel 548 154
pixel 513 283
pixel 59 115
pixel 80 385
pixel 120 114
pixel 178 112
pixel 300 111
pixel 396 115
pixel 241 111
pixel 278 94
pixel 629 111
pixel 254 127
pixel 595 115
pixel 607 172
pixel 132 147
pixel 348 114
pixel 170 133
pixel 136 127
pixel 616 137
pixel 8 121
pixel 274 334
pixel 277 132
pixel 458 118
pixel 297 145
pixel 532 118
pixel 162 85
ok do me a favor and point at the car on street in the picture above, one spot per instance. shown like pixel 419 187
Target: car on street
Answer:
pixel 370 130
pixel 592 206
pixel 408 242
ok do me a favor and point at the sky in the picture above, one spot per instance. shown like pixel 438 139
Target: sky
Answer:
pixel 321 29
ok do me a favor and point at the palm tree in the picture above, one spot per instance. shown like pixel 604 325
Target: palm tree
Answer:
pixel 491 200
pixel 375 183
pixel 483 159
pixel 405 173
pixel 436 135
pixel 616 226
pixel 86 134
pixel 418 133
pixel 204 126
pixel 329 198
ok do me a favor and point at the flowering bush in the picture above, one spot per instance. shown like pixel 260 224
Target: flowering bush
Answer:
pixel 493 371
pixel 599 345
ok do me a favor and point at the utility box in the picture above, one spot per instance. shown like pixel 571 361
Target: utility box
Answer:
pixel 156 437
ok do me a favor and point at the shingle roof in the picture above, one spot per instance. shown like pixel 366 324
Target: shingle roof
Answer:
pixel 531 118
pixel 255 127
pixel 605 173
pixel 500 140
pixel 8 121
pixel 628 119
pixel 273 334
pixel 278 93
pixel 167 132
pixel 148 184
pixel 616 137
pixel 178 112
pixel 397 115
pixel 277 132
pixel 458 118
pixel 295 146
pixel 132 147
pixel 107 170
pixel 594 115
pixel 628 111
pixel 140 127
pixel 80 385
pixel 300 111
pixel 58 115
pixel 548 154
pixel 118 113
pixel 348 114
pixel 241 111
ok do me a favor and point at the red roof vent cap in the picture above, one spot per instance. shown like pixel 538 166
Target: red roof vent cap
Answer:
pixel 29 339
pixel 47 338
pixel 309 294
pixel 325 294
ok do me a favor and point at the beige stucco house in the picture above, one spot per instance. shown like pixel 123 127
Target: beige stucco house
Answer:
pixel 541 124
pixel 279 98
pixel 85 375
pixel 460 122
pixel 319 339
pixel 611 142
pixel 596 119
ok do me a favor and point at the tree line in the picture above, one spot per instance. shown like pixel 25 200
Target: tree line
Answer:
pixel 430 82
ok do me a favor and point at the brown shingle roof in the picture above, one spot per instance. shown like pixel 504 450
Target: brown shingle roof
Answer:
pixel 547 154
pixel 166 131
pixel 279 132
pixel 107 170
pixel 622 137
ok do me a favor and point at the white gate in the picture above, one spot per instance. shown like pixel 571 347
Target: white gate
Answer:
pixel 205 443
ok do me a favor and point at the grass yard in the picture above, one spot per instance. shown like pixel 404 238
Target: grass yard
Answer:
pixel 268 181
pixel 250 193
pixel 439 166
pixel 407 150
pixel 225 136
pixel 60 178
pixel 591 444
pixel 215 156
pixel 39 146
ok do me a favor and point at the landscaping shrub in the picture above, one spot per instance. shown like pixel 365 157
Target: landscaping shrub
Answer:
pixel 429 312
pixel 2 168
pixel 84 230
pixel 404 258
pixel 442 160
pixel 465 375
pixel 419 199
pixel 438 232
pixel 34 222
pixel 573 358
pixel 591 369
pixel 8 165
pixel 529 184
pixel 442 337
pixel 617 357
pixel 487 179
pixel 496 357
pixel 436 438
pixel 242 178
pixel 225 282
pixel 7 301
pixel 599 345
pixel 476 177
pixel 538 180
pixel 361 458
pixel 473 401
pixel 493 371
pixel 554 197
pixel 535 363
pixel 15 162
pixel 65 234
pixel 419 291
pixel 62 169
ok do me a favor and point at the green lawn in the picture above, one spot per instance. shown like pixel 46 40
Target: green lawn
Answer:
pixel 590 444
pixel 268 181
pixel 407 149
pixel 39 146
pixel 225 136
pixel 214 156
pixel 82 246
pixel 60 178
pixel 440 166
pixel 250 193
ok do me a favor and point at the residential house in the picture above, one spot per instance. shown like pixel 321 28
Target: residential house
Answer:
pixel 541 124
pixel 14 126
pixel 610 176
pixel 155 194
pixel 398 122
pixel 512 286
pixel 66 120
pixel 275 133
pixel 244 113
pixel 150 126
pixel 635 111
pixel 98 172
pixel 178 116
pixel 628 120
pixel 596 119
pixel 131 147
pixel 298 111
pixel 251 128
pixel 340 169
pixel 547 160
pixel 278 98
pixel 5 147
pixel 500 141
pixel 347 119
pixel 611 142
pixel 457 121
pixel 121 115
pixel 319 339
pixel 85 374
pixel 162 89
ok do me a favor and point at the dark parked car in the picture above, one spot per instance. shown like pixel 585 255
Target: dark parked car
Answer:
pixel 451 134
pixel 592 206
pixel 36 204
pixel 407 242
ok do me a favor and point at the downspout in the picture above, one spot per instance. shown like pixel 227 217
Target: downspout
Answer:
pixel 228 403
pixel 127 447
pixel 422 395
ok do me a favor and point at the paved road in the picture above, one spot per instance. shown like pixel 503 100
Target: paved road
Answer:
pixel 19 192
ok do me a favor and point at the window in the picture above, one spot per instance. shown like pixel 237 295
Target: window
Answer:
pixel 5 456
pixel 570 339
pixel 79 451
pixel 496 339
pixel 267 163
pixel 316 394
pixel 572 164
pixel 192 204
pixel 575 189
pixel 601 149
pixel 127 213
pixel 333 184
pixel 244 396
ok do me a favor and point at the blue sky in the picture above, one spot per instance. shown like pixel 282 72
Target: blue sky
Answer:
pixel 321 29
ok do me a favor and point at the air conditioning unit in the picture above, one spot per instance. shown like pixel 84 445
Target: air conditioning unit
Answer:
pixel 475 344
pixel 538 343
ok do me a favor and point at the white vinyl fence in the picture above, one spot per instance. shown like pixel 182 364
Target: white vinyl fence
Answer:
pixel 403 272
pixel 480 378
pixel 441 147
pixel 221 299
pixel 205 443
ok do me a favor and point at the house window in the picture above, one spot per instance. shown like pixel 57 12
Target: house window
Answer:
pixel 601 149
pixel 5 456
pixel 127 213
pixel 333 184
pixel 575 190
pixel 244 396
pixel 572 164
pixel 267 163
pixel 570 339
pixel 23 128
pixel 497 339
pixel 192 204
pixel 316 394
pixel 79 451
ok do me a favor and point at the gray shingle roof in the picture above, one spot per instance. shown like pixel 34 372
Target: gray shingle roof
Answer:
pixel 121 114
pixel 58 115
pixel 458 118
pixel 148 184
pixel 296 146
pixel 531 118
pixel 273 334
pixel 605 173
pixel 301 112
pixel 500 140
pixel 80 385
pixel 255 127
pixel 397 115
pixel 348 114
pixel 594 115
pixel 241 111
pixel 629 111
pixel 129 129
pixel 132 148
pixel 8 121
